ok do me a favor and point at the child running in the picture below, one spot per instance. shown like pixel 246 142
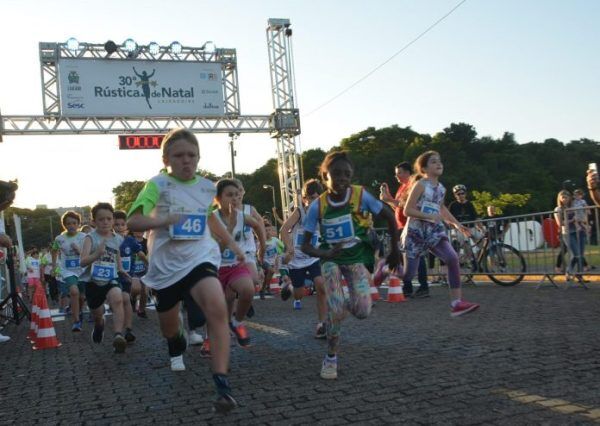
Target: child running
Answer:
pixel 67 246
pixel 130 285
pixel 425 229
pixel 102 263
pixel 34 272
pixel 300 265
pixel 273 251
pixel 343 216
pixel 183 258
pixel 235 276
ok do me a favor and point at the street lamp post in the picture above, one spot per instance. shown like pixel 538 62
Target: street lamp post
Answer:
pixel 272 192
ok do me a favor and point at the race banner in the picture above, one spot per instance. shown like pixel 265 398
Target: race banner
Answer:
pixel 130 88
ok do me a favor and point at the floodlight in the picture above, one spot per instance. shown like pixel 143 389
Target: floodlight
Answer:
pixel 176 47
pixel 208 47
pixel 153 48
pixel 110 47
pixel 72 44
pixel 129 45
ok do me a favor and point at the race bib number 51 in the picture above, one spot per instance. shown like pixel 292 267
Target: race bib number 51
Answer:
pixel 190 227
pixel 339 229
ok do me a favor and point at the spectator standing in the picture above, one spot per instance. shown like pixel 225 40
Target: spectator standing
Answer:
pixel 403 172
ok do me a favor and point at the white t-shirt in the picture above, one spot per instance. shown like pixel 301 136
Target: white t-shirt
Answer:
pixel 68 257
pixel 172 257
pixel 228 257
pixel 103 270
pixel 33 267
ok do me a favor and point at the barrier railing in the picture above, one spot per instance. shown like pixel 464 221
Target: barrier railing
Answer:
pixel 510 248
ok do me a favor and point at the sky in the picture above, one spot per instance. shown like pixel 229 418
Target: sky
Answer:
pixel 529 67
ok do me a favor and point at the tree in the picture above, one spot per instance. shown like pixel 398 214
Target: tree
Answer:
pixel 483 199
pixel 126 193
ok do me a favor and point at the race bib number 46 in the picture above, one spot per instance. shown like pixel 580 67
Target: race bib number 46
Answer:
pixel 190 227
pixel 104 271
pixel 339 229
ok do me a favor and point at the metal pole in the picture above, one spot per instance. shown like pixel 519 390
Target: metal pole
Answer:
pixel 233 136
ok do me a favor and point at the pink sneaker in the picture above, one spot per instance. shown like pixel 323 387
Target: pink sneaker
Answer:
pixel 463 307
pixel 380 273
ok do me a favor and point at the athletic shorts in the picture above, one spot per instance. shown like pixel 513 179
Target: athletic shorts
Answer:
pixel 230 274
pixel 125 284
pixel 65 285
pixel 298 276
pixel 168 297
pixel 96 294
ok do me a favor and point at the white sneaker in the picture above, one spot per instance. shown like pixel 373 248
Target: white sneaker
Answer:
pixel 177 363
pixel 195 338
pixel 4 338
pixel 329 369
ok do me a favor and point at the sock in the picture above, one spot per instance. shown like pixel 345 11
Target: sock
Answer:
pixel 177 345
pixel 235 322
pixel 222 384
pixel 454 303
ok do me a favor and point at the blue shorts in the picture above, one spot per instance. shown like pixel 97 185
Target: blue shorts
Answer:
pixel 298 276
pixel 64 286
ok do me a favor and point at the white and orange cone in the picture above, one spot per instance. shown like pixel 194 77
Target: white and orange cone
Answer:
pixel 46 335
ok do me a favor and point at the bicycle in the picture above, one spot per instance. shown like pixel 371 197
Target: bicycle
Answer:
pixel 502 263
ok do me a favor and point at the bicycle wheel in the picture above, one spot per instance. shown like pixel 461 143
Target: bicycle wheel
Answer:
pixel 504 259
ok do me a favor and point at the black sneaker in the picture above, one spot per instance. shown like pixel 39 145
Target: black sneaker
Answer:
pixel 250 312
pixel 98 333
pixel 129 336
pixel 286 292
pixel 224 404
pixel 422 293
pixel 261 294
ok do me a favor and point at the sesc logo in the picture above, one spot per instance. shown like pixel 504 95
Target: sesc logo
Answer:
pixel 75 105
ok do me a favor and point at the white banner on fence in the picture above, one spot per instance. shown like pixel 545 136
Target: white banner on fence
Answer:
pixel 105 87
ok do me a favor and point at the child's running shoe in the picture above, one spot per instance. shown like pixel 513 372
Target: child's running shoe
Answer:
pixel 76 326
pixel 463 307
pixel 205 349
pixel 98 333
pixel 321 332
pixel 224 403
pixel 329 369
pixel 142 314
pixel 286 292
pixel 119 343
pixel 177 363
pixel 297 305
pixel 241 334
pixel 195 338
pixel 380 273
pixel 129 336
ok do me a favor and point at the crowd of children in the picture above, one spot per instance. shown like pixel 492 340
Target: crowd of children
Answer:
pixel 207 249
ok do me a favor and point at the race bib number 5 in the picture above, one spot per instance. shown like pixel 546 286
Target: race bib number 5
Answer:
pixel 104 271
pixel 339 229
pixel 190 227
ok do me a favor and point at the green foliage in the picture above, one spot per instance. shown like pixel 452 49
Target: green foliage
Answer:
pixel 39 227
pixel 482 163
pixel 483 199
pixel 126 193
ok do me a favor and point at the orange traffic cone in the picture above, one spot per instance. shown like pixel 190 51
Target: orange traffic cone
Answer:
pixel 395 294
pixel 274 287
pixel 374 293
pixel 46 336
